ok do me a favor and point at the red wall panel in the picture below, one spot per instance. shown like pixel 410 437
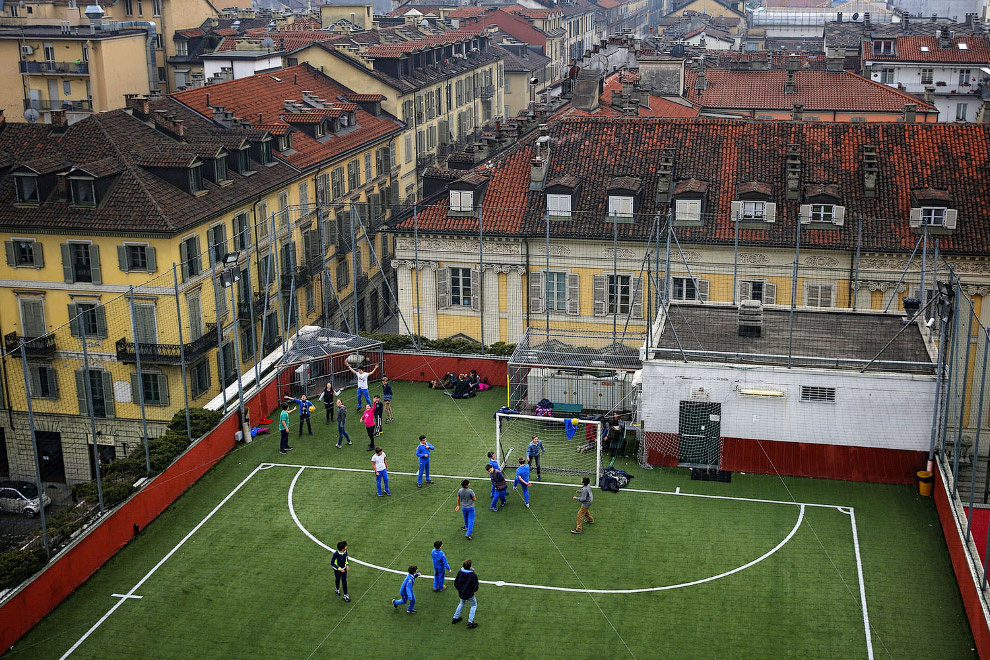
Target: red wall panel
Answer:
pixel 424 368
pixel 967 587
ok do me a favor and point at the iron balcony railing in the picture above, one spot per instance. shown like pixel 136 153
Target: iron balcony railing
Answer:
pixel 33 346
pixel 168 353
pixel 45 104
pixel 60 68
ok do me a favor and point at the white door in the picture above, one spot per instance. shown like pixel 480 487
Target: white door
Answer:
pixel 53 93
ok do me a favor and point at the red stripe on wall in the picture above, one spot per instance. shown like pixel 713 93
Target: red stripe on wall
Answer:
pixel 964 577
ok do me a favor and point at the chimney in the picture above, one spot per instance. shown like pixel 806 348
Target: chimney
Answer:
pixel 866 22
pixel 665 175
pixel 910 113
pixel 838 17
pixel 540 162
pixel 59 121
pixel 870 169
pixel 702 82
pixel 930 94
pixel 969 20
pixel 797 112
pixel 793 174
pixel 167 123
pixel 945 37
pixel 139 105
pixel 789 86
pixel 750 318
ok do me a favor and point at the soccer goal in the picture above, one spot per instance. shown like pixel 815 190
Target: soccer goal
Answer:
pixel 571 448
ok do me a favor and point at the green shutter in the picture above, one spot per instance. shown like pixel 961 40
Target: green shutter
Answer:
pixel 67 263
pixel 184 260
pixel 152 259
pixel 39 255
pixel 108 393
pixel 136 389
pixel 94 264
pixel 52 376
pixel 74 320
pixel 34 374
pixel 163 389
pixel 122 257
pixel 8 247
pixel 81 392
pixel 101 322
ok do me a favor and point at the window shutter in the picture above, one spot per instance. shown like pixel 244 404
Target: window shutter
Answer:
pixel 163 390
pixel 146 323
pixel 94 264
pixel 702 286
pixel 67 262
pixel 804 214
pixel 101 322
pixel 770 212
pixel 34 317
pixel 74 320
pixel 8 247
pixel 81 392
pixel 600 307
pixel 122 257
pixel 769 293
pixel 476 290
pixel 443 288
pixel 745 291
pixel 52 377
pixel 536 291
pixel 35 377
pixel 573 294
pixel 637 298
pixel 108 393
pixel 152 259
pixel 915 218
pixel 736 211
pixel 184 260
pixel 950 218
pixel 838 215
pixel 136 389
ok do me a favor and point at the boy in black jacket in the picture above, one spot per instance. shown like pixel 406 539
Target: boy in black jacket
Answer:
pixel 466 584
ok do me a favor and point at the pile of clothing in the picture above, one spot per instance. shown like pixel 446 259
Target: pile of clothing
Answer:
pixel 613 479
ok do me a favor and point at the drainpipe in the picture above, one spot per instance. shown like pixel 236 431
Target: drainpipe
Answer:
pixel 152 38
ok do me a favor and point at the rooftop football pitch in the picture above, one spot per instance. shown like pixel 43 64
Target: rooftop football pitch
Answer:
pixel 762 567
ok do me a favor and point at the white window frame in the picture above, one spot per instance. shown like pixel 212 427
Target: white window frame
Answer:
pixel 461 292
pixel 823 213
pixel 462 201
pixel 555 294
pixel 687 210
pixel 965 76
pixel 558 206
pixel 618 294
pixel 681 287
pixel 888 75
pixel 821 286
pixel 763 285
pixel 620 206
pixel 962 110
pixel 933 216
pixel 927 75
pixel 753 211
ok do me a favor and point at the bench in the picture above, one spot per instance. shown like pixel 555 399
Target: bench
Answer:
pixel 568 408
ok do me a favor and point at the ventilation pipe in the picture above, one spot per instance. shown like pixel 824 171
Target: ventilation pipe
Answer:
pixel 152 31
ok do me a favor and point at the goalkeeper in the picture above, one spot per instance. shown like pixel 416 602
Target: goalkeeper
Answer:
pixel 522 479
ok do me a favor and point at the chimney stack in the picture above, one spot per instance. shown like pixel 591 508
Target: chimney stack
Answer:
pixel 139 105
pixel 969 20
pixel 797 112
pixel 930 94
pixel 870 170
pixel 789 86
pixel 665 179
pixel 702 82
pixel 793 173
pixel 59 121
pixel 838 17
pixel 945 37
pixel 867 26
pixel 910 113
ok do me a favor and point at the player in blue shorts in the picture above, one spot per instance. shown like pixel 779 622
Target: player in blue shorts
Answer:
pixel 406 594
pixel 493 463
pixel 522 479
pixel 439 566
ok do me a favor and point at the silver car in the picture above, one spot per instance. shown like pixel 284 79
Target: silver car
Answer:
pixel 21 497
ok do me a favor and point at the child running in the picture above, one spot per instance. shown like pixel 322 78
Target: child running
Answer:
pixel 500 486
pixel 406 594
pixel 522 479
pixel 339 565
pixel 439 566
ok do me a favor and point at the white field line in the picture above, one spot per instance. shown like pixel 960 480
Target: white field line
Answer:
pixel 862 585
pixel 501 583
pixel 130 594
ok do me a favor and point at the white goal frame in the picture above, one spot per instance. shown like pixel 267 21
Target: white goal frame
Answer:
pixel 560 420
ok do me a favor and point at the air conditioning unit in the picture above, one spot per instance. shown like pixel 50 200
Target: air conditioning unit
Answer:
pixel 27 50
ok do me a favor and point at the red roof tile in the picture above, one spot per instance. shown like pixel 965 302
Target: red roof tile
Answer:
pixel 954 158
pixel 364 98
pixel 910 49
pixel 536 13
pixel 819 91
pixel 284 40
pixel 263 97
pixel 659 106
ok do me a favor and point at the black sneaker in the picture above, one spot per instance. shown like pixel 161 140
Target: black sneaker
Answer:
pixel 410 611
pixel 346 598
pixel 468 537
pixel 419 485
pixel 464 528
pixel 282 451
pixel 395 605
pixel 472 624
pixel 337 591
pixel 289 448
pixel 456 619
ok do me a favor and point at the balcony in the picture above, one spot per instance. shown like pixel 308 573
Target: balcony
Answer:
pixel 59 68
pixel 303 277
pixel 45 104
pixel 168 353
pixel 36 347
pixel 425 160
pixel 487 91
pixel 272 344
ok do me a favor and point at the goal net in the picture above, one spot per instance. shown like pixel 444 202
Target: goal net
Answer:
pixel 570 449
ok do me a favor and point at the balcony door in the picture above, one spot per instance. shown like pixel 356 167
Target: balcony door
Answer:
pixel 53 92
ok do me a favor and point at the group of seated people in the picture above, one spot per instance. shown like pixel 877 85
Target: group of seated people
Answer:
pixel 460 386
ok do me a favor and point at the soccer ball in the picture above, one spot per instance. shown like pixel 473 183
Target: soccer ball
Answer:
pixel 574 420
pixel 312 407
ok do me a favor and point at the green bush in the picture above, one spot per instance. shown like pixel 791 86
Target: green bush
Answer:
pixel 61 525
pixel 18 565
pixel 456 346
pixel 201 421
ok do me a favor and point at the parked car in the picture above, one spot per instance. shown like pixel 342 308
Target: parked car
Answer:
pixel 21 497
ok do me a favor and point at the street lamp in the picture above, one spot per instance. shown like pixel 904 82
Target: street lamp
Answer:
pixel 228 277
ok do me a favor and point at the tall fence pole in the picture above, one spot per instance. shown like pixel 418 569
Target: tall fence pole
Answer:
pixel 859 242
pixel 88 389
pixel 481 275
pixel 953 385
pixel 924 264
pixel 419 311
pixel 735 261
pixel 546 277
pixel 34 446
pixel 962 400
pixel 354 271
pixel 237 357
pixel 615 277
pixel 140 377
pixel 251 319
pixel 794 286
pixel 976 442
pixel 221 367
pixel 182 351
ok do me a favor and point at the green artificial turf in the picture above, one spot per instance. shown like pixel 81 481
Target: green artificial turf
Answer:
pixel 249 583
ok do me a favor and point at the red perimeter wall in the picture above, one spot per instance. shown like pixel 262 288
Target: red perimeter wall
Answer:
pixel 801 459
pixel 424 368
pixel 964 577
pixel 74 566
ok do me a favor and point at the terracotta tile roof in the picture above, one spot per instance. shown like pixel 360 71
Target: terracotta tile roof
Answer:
pixel 425 42
pixel 224 32
pixel 264 96
pixel 465 12
pixel 275 129
pixel 536 13
pixel 364 98
pixel 194 32
pixel 910 49
pixel 954 158
pixel 302 24
pixel 817 90
pixel 690 185
pixel 115 145
pixel 608 4
pixel 285 41
pixel 659 106
pixel 442 173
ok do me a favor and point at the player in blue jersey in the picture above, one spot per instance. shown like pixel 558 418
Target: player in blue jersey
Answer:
pixel 522 479
pixel 440 565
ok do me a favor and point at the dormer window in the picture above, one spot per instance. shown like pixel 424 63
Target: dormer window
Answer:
pixel 285 142
pixel 933 217
pixel 462 201
pixel 220 169
pixel 27 189
pixel 195 179
pixel 754 211
pixel 243 161
pixel 559 207
pixel 687 211
pixel 83 192
pixel 823 213
pixel 620 207
pixel 822 209
pixel 883 47
pixel 264 149
pixel 321 129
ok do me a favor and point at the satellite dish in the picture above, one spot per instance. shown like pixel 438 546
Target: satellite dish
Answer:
pixel 31 115
pixel 268 43
pixel 856 16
